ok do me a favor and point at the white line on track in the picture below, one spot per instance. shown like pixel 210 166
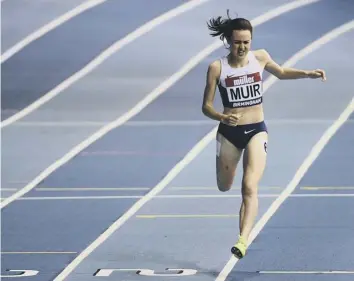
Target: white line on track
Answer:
pixel 128 123
pixel 186 216
pixel 91 188
pixel 316 150
pixel 184 162
pixel 148 99
pixel 37 253
pixel 327 188
pixel 214 188
pixel 307 272
pixel 167 123
pixel 31 198
pixel 48 27
pixel 186 188
pixel 101 58
pixel 259 195
pixel 60 124
pixel 180 196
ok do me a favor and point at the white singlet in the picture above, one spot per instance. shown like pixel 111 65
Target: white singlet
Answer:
pixel 241 86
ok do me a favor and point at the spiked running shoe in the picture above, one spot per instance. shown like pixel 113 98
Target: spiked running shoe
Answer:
pixel 240 248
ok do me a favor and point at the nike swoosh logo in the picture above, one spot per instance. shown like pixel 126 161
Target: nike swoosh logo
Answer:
pixel 247 132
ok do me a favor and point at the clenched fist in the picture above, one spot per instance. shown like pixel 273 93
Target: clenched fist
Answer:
pixel 231 119
pixel 317 73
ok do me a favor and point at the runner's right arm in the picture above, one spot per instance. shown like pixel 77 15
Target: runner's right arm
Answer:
pixel 213 75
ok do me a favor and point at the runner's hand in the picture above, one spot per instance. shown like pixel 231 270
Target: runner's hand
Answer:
pixel 231 119
pixel 318 73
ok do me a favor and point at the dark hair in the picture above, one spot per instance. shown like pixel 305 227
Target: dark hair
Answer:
pixel 224 27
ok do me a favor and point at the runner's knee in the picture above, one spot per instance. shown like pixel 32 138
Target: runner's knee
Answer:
pixel 225 176
pixel 249 187
pixel 224 184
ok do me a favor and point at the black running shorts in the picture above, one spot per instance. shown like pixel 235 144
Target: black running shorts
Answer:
pixel 240 135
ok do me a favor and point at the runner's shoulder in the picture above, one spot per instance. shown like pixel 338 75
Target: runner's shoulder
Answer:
pixel 261 55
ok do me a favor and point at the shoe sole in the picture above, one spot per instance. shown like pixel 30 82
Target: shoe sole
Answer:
pixel 236 252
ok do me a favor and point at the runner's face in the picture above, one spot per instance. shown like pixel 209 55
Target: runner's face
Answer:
pixel 240 43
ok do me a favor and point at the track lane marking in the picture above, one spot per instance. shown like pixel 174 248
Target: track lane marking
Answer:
pixel 182 196
pixel 36 253
pixel 306 272
pixel 187 216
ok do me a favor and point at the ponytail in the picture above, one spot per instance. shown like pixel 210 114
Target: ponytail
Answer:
pixel 224 27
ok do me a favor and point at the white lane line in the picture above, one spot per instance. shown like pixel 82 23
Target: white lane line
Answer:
pixel 102 57
pixel 60 124
pixel 128 123
pixel 148 99
pixel 36 253
pixel 307 272
pixel 199 196
pixel 186 216
pixel 91 188
pixel 322 195
pixel 316 150
pixel 215 188
pixel 327 188
pixel 48 27
pixel 167 123
pixel 79 197
pixel 259 195
pixel 181 196
pixel 190 155
pixel 186 188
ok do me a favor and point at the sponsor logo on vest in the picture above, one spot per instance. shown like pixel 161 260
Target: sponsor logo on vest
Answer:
pixel 243 80
pixel 232 81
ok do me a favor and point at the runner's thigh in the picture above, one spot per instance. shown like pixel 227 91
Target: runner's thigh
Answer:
pixel 254 160
pixel 227 158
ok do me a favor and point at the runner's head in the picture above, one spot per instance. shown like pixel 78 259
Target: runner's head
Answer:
pixel 237 32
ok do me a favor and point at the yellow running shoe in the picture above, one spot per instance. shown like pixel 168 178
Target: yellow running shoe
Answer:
pixel 240 248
